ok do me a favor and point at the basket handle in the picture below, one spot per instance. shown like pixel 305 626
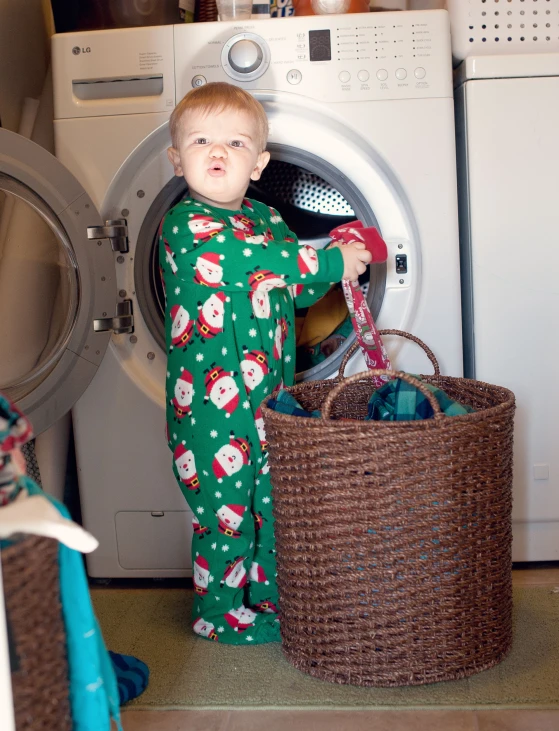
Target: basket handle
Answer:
pixel 337 390
pixel 428 352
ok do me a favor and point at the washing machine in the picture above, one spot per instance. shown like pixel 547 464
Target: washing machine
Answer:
pixel 507 122
pixel 361 126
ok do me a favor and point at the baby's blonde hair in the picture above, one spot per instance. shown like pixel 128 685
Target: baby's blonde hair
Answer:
pixel 216 97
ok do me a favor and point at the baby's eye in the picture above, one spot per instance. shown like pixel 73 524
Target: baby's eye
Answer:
pixel 201 141
pixel 236 143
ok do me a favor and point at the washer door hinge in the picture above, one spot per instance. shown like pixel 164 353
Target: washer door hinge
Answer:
pixel 116 231
pixel 122 323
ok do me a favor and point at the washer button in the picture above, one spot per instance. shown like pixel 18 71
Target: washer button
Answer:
pixel 344 77
pixel 198 81
pixel 420 73
pixel 401 74
pixel 382 74
pixel 363 75
pixel 294 76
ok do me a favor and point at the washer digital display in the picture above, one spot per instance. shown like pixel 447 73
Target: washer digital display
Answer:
pixel 319 45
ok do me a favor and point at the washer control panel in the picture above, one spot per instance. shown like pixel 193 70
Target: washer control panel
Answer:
pixel 362 56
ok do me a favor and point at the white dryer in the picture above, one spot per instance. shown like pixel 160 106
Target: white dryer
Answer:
pixel 507 122
pixel 362 121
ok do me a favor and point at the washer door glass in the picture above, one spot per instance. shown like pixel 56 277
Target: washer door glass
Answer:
pixel 39 289
pixel 55 283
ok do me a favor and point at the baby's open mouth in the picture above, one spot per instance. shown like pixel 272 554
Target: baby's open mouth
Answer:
pixel 216 169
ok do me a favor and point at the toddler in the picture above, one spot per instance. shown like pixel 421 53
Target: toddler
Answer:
pixel 232 272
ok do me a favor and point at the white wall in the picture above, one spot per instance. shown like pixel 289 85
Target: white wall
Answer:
pixel 23 56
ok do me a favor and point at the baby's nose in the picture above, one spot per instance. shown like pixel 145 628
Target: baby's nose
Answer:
pixel 218 150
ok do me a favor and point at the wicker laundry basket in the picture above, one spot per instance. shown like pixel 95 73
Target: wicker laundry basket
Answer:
pixel 40 686
pixel 393 538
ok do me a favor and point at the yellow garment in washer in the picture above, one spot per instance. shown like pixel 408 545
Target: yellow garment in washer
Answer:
pixel 322 319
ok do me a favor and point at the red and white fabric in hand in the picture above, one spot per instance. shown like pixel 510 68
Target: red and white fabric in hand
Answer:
pixel 366 331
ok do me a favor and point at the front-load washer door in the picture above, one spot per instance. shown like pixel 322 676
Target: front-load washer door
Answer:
pixel 57 283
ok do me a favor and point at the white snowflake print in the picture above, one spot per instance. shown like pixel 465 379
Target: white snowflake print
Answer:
pixel 183 250
pixel 234 316
pixel 275 373
pixel 251 544
pixel 277 307
pixel 214 546
pixel 213 434
pixel 217 598
pixel 246 405
pixel 285 254
pixel 225 548
pixel 200 510
pixel 265 391
pixel 175 229
pixel 217 494
pixel 174 436
pixel 256 482
pixel 247 252
pixel 211 579
pixel 193 421
pixel 177 290
pixel 270 333
pixel 198 204
pixel 220 238
pixel 220 629
pixel 239 284
pixel 204 473
pixel 249 638
pixel 199 357
pixel 258 545
pixel 288 359
pixel 252 332
pixel 265 500
pixel 238 484
pixel 206 210
pixel 259 460
pixel 311 291
pixel 276 219
pixel 224 351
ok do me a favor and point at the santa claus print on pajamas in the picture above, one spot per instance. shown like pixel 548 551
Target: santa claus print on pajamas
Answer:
pixel 230 280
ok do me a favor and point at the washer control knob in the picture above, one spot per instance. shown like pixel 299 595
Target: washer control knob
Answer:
pixel 198 81
pixel 401 74
pixel 245 56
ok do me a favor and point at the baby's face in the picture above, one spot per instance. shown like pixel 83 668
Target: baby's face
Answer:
pixel 218 156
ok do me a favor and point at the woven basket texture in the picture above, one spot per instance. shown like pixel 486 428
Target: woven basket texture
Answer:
pixel 393 538
pixel 32 594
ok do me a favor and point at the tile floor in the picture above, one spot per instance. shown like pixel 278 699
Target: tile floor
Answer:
pixel 428 720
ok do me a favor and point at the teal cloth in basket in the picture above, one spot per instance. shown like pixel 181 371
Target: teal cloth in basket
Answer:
pixel 94 697
pixel 399 400
pixel 395 401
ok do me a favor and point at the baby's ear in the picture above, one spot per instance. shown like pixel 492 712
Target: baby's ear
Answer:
pixel 175 160
pixel 262 161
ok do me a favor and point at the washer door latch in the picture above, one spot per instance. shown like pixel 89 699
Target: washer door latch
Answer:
pixel 116 231
pixel 122 323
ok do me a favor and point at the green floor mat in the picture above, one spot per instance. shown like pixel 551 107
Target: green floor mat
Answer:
pixel 188 672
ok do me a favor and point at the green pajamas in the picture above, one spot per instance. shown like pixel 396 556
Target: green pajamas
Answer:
pixel 230 279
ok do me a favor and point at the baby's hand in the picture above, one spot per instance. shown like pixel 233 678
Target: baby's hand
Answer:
pixel 356 257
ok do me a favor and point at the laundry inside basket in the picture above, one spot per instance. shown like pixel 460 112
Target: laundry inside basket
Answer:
pixel 397 400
